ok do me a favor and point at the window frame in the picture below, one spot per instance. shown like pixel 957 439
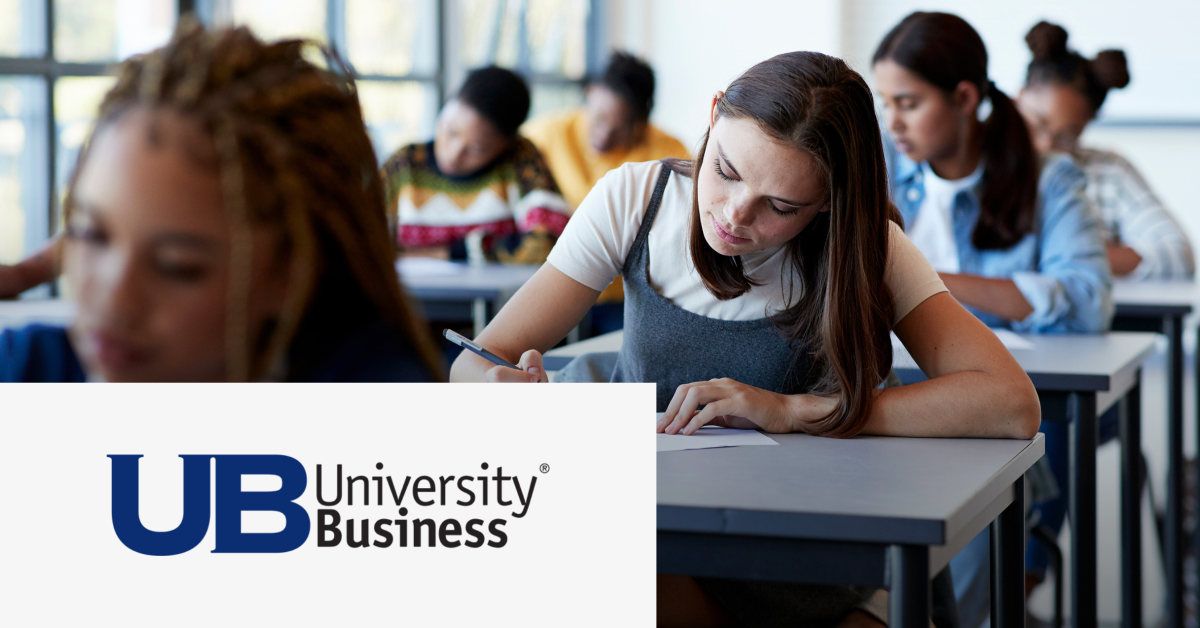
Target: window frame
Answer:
pixel 447 75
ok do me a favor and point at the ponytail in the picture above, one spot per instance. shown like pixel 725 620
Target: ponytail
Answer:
pixel 1010 177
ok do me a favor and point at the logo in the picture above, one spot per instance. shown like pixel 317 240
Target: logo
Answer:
pixel 372 522
pixel 231 501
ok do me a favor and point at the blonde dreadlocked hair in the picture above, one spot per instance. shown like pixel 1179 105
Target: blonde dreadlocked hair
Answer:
pixel 292 152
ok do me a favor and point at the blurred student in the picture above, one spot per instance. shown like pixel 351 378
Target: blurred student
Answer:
pixel 611 129
pixel 1012 236
pixel 225 223
pixel 1063 93
pixel 762 281
pixel 477 176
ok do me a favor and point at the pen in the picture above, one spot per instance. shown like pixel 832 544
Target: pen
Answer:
pixel 467 344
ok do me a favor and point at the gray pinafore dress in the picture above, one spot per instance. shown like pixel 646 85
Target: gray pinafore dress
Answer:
pixel 668 345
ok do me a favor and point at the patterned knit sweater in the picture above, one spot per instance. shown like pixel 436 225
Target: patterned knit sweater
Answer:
pixel 513 201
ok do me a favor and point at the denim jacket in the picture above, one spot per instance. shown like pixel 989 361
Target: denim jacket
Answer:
pixel 1061 268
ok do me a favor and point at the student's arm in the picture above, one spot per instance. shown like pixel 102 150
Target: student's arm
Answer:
pixel 1152 244
pixel 35 270
pixel 1070 290
pixel 975 388
pixel 1125 260
pixel 538 316
pixel 999 297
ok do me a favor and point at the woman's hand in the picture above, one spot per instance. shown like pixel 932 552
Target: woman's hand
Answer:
pixel 728 403
pixel 531 371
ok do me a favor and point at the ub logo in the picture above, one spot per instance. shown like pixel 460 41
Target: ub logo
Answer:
pixel 231 501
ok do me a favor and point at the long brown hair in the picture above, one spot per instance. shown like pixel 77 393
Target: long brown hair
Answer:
pixel 291 152
pixel 944 50
pixel 843 311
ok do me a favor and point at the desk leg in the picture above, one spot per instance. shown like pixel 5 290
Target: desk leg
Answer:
pixel 1081 412
pixel 1174 532
pixel 1131 507
pixel 908 605
pixel 479 315
pixel 1008 561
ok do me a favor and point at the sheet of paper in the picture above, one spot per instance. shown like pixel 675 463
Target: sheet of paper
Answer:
pixel 711 437
pixel 428 267
pixel 1011 340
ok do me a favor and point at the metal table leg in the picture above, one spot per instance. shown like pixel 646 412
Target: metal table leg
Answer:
pixel 1008 561
pixel 909 595
pixel 1081 412
pixel 1131 507
pixel 1173 526
pixel 479 315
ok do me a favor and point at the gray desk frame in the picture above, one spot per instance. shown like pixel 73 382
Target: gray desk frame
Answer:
pixel 1161 307
pixel 484 288
pixel 1077 379
pixel 812 511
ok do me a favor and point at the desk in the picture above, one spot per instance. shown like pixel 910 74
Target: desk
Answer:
pixel 454 289
pixel 1161 306
pixel 1078 378
pixel 868 511
pixel 46 311
pixel 555 359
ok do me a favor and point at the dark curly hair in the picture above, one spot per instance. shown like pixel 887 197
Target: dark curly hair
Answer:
pixel 291 151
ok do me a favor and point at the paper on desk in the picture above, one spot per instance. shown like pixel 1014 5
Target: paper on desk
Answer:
pixel 428 267
pixel 1011 340
pixel 711 437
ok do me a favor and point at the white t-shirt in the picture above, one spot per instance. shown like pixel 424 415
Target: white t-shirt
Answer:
pixel 933 229
pixel 595 243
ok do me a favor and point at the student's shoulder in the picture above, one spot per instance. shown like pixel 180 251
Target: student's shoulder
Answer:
pixel 1060 174
pixel 547 127
pixel 1097 162
pixel 38 353
pixel 407 158
pixel 667 144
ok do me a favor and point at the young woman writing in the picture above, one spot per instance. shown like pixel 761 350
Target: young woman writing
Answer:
pixel 762 280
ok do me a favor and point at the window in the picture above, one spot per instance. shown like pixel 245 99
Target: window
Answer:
pixel 55 56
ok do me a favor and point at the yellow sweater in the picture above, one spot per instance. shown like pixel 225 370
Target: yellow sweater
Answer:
pixel 563 140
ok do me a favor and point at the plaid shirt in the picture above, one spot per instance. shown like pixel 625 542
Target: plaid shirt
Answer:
pixel 1134 217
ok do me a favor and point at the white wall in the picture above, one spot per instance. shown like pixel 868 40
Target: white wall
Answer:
pixel 699 46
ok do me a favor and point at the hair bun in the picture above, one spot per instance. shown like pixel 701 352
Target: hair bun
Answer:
pixel 1047 41
pixel 1111 69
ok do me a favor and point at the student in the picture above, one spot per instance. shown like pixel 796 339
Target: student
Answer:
pixel 613 128
pixel 225 223
pixel 1063 93
pixel 1019 250
pixel 477 176
pixel 763 279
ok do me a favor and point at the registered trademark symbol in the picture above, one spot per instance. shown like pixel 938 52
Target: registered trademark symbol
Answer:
pixel 545 468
